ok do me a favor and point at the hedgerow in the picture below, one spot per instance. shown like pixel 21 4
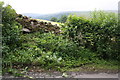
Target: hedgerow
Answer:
pixel 98 33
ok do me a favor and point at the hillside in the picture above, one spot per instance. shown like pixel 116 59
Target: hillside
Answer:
pixel 58 15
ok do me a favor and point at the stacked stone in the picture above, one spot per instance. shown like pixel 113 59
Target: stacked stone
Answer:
pixel 33 25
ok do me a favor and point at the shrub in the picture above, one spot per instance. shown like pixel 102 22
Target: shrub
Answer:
pixel 97 33
pixel 10 32
pixel 10 28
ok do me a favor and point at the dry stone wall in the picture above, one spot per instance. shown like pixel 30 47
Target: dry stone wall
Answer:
pixel 33 25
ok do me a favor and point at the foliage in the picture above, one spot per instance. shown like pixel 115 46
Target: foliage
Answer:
pixel 97 33
pixel 10 32
pixel 10 29
pixel 40 49
pixel 82 41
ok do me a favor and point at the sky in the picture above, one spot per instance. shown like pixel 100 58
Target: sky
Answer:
pixel 54 6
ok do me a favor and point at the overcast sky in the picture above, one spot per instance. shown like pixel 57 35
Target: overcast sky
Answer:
pixel 53 6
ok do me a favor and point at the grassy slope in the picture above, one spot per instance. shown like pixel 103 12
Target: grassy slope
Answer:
pixel 53 23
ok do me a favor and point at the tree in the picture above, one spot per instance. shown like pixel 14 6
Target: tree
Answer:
pixel 54 19
pixel 10 28
pixel 63 19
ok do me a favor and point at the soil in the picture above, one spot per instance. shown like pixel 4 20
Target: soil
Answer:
pixel 69 74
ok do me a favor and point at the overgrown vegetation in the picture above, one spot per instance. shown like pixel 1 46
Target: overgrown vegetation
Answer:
pixel 82 41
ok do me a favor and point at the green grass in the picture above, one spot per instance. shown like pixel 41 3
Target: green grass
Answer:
pixel 53 23
pixel 102 66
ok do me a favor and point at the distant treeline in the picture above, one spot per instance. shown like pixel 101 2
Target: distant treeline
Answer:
pixel 62 19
